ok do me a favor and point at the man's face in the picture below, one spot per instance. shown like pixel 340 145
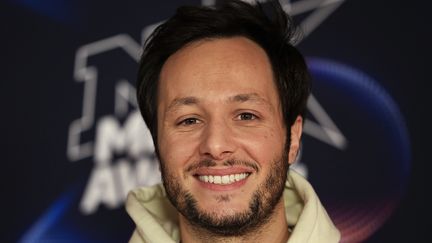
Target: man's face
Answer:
pixel 221 135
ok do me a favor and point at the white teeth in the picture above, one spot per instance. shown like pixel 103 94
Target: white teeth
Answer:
pixel 217 179
pixel 223 180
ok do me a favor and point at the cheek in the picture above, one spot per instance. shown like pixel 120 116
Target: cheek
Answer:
pixel 264 146
pixel 177 149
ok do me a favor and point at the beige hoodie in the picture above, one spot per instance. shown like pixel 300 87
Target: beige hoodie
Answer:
pixel 157 220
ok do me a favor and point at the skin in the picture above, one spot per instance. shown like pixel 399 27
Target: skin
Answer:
pixel 219 113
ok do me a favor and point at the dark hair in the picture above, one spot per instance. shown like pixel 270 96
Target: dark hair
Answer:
pixel 269 27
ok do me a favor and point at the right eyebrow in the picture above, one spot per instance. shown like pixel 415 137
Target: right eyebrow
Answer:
pixel 177 102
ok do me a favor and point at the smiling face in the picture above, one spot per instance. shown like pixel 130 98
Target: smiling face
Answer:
pixel 221 135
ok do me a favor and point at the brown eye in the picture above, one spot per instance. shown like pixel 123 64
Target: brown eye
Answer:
pixel 247 116
pixel 189 121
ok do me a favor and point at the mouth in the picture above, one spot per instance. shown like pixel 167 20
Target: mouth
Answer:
pixel 223 179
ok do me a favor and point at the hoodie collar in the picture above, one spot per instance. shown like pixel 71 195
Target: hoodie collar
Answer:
pixel 157 220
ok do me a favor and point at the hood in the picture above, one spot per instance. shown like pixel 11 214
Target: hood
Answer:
pixel 157 220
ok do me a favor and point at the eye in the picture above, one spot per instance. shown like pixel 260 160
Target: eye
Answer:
pixel 247 116
pixel 189 121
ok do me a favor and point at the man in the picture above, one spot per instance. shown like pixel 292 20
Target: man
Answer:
pixel 223 93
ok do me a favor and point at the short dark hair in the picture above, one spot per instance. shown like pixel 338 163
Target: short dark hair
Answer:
pixel 268 26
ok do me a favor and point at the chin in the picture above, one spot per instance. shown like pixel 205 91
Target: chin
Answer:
pixel 226 209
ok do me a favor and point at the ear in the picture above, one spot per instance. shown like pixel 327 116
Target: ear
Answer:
pixel 296 131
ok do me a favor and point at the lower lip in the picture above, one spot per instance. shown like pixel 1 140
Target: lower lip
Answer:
pixel 219 187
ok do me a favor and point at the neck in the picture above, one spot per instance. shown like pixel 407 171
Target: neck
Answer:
pixel 274 230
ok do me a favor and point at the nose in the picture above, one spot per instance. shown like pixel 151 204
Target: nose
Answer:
pixel 217 141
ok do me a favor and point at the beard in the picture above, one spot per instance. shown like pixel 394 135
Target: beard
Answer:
pixel 260 209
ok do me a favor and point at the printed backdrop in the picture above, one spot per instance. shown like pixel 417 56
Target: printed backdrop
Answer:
pixel 74 143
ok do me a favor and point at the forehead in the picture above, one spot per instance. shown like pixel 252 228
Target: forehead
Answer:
pixel 215 67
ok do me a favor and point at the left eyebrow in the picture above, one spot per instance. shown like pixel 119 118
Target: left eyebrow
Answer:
pixel 254 97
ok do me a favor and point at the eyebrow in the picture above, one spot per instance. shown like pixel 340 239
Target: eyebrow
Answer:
pixel 251 97
pixel 239 98
pixel 189 100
